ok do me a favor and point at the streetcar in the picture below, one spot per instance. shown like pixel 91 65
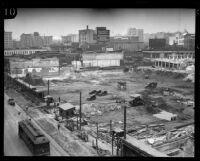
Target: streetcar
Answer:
pixel 35 140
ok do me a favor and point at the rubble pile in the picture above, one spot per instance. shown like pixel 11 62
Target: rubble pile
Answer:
pixel 98 109
pixel 170 136
pixel 146 131
pixel 190 77
pixel 187 74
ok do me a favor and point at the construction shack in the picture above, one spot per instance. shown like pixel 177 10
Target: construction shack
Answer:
pixel 118 132
pixel 164 115
pixel 66 110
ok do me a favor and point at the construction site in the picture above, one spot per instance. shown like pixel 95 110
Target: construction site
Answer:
pixel 106 109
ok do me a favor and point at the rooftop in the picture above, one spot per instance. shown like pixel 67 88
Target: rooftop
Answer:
pixel 144 147
pixel 66 106
pixel 165 115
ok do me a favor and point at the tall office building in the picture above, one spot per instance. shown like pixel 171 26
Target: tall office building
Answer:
pixel 35 40
pixel 47 40
pixel 8 42
pixel 189 41
pixel 136 32
pixel 70 38
pixel 38 41
pixel 87 36
pixel 27 40
pixel 103 35
pixel 16 44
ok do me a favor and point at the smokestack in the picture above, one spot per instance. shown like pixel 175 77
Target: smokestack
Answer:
pixel 87 27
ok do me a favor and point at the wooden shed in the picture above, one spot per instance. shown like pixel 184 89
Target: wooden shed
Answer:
pixel 66 110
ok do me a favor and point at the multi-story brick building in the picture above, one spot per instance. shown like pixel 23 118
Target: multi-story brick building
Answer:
pixel 87 36
pixel 8 42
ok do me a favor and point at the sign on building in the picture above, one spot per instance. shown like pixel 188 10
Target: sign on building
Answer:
pixel 103 35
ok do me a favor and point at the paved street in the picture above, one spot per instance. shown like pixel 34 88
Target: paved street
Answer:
pixel 13 146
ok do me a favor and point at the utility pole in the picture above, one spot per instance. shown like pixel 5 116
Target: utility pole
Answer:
pixel 77 121
pixel 80 111
pixel 111 131
pixel 16 72
pixel 29 79
pixel 59 69
pixel 48 87
pixel 124 121
pixel 97 138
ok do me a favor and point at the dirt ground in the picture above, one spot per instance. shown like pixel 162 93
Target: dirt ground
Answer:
pixel 68 89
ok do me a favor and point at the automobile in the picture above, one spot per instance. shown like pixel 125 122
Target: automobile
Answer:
pixel 146 76
pixel 151 85
pixel 91 98
pixel 98 92
pixel 136 102
pixel 103 93
pixel 93 92
pixel 11 101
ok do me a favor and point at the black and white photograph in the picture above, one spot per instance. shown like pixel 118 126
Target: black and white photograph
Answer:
pixel 110 82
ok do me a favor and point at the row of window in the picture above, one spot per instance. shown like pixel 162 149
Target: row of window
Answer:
pixel 15 52
pixel 181 57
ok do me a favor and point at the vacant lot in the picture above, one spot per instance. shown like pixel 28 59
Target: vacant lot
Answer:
pixel 69 87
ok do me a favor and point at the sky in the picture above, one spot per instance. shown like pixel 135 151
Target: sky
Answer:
pixel 63 21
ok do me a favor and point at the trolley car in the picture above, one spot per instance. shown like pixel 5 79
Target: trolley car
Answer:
pixel 35 140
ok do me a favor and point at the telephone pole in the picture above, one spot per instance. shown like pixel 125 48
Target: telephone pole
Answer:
pixel 48 87
pixel 111 131
pixel 97 138
pixel 124 121
pixel 80 110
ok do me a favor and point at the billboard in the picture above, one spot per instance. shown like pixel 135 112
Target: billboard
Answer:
pixel 157 43
pixel 103 35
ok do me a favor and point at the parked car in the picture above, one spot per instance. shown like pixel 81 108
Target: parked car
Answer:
pixel 146 76
pixel 98 92
pixel 91 98
pixel 136 101
pixel 151 85
pixel 11 101
pixel 103 93
pixel 93 92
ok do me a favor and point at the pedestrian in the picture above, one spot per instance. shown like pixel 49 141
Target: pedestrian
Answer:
pixel 58 126
pixel 59 99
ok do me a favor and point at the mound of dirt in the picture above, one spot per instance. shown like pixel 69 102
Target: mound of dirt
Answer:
pixel 179 76
pixel 189 111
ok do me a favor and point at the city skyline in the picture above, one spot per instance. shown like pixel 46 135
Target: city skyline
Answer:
pixel 60 22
